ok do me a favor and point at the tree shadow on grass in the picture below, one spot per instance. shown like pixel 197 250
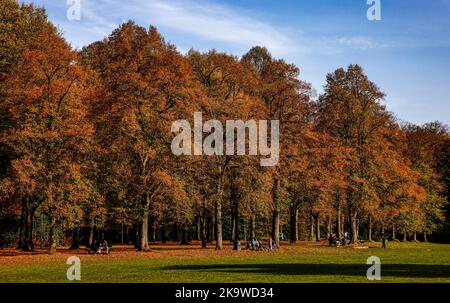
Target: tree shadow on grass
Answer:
pixel 388 270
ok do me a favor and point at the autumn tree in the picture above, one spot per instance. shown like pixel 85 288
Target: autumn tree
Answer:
pixel 227 84
pixel 49 132
pixel 350 110
pixel 19 24
pixel 395 191
pixel 286 100
pixel 426 148
pixel 147 85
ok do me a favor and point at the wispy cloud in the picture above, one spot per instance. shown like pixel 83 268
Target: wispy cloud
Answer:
pixel 359 42
pixel 203 20
pixel 218 23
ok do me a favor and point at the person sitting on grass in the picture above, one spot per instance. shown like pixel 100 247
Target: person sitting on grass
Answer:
pixel 104 246
pixel 272 244
pixel 336 241
pixel 256 244
pixel 253 244
pixel 346 239
pixel 333 240
pixel 330 240
pixel 98 247
pixel 93 248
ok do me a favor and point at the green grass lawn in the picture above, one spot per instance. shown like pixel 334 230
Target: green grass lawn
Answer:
pixel 401 262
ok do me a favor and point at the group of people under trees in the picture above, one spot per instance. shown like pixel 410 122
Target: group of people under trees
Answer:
pixel 257 245
pixel 333 240
pixel 99 247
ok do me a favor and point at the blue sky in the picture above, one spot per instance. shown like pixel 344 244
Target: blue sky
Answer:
pixel 407 52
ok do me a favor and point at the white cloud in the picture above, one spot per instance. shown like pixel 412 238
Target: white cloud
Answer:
pixel 208 21
pixel 358 42
pixel 219 23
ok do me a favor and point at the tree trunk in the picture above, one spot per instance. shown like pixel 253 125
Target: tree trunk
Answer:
pixel 236 226
pixel 184 240
pixel 208 227
pixel 415 236
pixel 357 229
pixel 137 237
pixel 293 224
pixel 22 227
pixel 203 231
pixel 339 221
pixel 163 234
pixel 143 244
pixel 311 230
pixel 354 226
pixel 369 231
pixel 151 229
pixel 276 213
pixel 318 227
pixel 233 226
pixel 425 239
pixel 404 235
pixel 198 229
pixel 252 227
pixel 91 233
pixel 175 232
pixel 218 212
pixel 152 234
pixel 235 210
pixel 30 241
pixel 329 227
pixel 383 237
pixel 75 238
pixel 276 227
pixel 213 233
pixel 26 229
pixel 121 234
pixel 393 232
pixel 52 236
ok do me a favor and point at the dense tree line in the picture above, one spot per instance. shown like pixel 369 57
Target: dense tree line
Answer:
pixel 85 142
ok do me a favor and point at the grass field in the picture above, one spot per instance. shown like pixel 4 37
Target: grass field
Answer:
pixel 305 262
